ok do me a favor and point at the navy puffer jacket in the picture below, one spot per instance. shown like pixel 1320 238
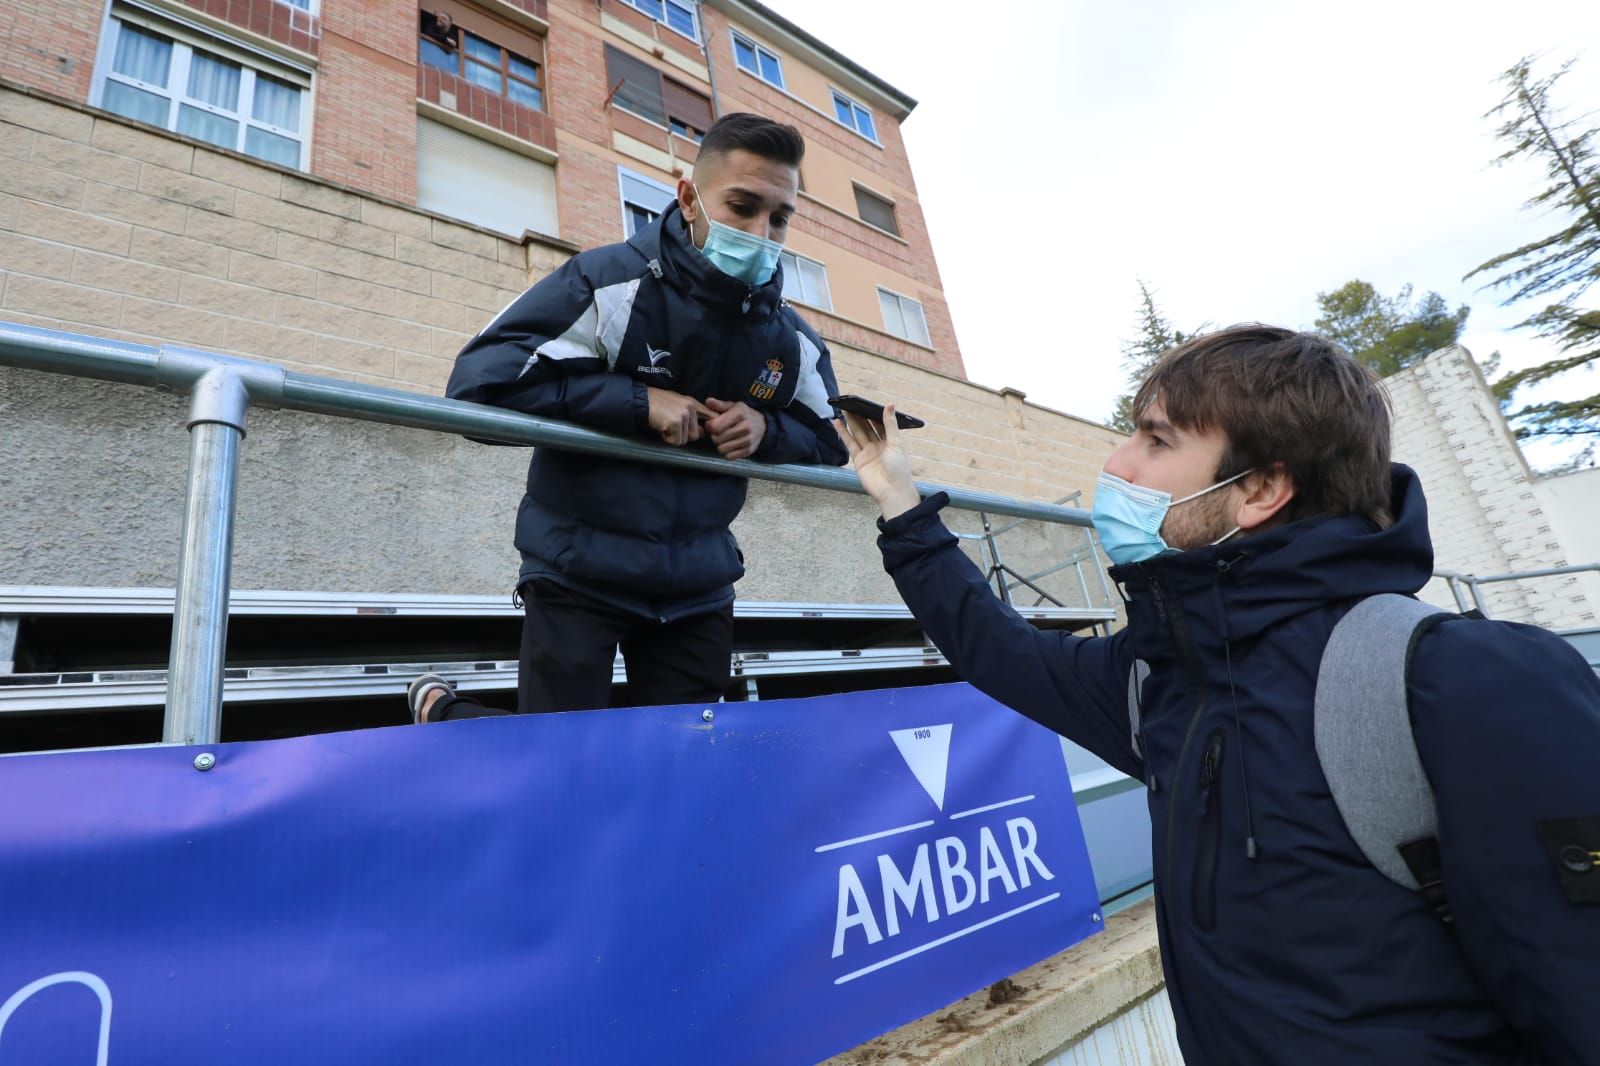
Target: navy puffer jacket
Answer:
pixel 583 345
pixel 1305 953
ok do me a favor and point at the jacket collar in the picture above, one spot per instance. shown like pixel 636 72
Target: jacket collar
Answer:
pixel 666 241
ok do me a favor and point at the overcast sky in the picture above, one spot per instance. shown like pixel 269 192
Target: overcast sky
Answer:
pixel 1239 156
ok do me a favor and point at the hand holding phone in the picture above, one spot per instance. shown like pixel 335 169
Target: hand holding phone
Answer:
pixel 880 460
pixel 869 409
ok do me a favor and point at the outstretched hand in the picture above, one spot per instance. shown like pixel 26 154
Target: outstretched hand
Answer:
pixel 880 460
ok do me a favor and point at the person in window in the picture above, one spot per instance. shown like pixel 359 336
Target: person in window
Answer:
pixel 680 334
pixel 1254 506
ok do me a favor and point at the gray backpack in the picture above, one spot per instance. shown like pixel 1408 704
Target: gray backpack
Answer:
pixel 1364 739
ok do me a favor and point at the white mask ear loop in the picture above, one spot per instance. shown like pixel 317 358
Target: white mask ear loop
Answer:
pixel 699 213
pixel 1212 488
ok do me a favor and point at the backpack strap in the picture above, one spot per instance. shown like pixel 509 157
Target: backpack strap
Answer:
pixel 1365 743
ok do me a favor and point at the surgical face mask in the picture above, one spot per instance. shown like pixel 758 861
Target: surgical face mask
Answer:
pixel 738 254
pixel 1128 517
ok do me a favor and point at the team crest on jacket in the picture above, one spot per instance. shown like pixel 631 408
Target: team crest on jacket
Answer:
pixel 765 386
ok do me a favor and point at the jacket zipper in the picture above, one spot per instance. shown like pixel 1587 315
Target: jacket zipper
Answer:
pixel 1180 636
pixel 1191 662
pixel 1204 894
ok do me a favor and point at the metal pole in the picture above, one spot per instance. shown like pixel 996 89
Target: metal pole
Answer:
pixel 1455 590
pixel 997 568
pixel 218 403
pixel 1105 582
pixel 1550 571
pixel 1477 596
pixel 1077 568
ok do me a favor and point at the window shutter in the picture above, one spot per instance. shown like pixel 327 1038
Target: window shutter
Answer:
pixel 876 211
pixel 686 105
pixel 483 184
pixel 641 85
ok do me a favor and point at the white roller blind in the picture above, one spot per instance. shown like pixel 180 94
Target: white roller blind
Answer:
pixel 483 184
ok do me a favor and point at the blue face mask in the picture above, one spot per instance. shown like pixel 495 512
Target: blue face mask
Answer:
pixel 1128 517
pixel 738 254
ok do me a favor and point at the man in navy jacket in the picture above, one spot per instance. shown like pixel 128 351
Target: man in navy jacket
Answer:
pixel 1254 504
pixel 682 333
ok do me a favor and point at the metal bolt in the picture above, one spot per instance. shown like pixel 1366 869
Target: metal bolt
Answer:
pixel 204 761
pixel 707 714
pixel 1095 917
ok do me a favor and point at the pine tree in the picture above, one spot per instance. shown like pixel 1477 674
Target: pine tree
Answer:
pixel 1562 266
pixel 1155 336
pixel 1386 332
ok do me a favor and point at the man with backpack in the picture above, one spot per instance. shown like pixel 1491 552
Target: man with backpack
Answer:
pixel 1376 827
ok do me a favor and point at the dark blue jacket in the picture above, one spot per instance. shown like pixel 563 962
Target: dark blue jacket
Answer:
pixel 1306 954
pixel 583 344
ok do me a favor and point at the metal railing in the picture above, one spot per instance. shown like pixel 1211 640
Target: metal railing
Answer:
pixel 1472 582
pixel 1007 578
pixel 221 390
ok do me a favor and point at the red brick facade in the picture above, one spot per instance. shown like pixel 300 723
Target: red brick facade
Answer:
pixel 272 19
pixel 481 105
pixel 50 44
pixel 367 83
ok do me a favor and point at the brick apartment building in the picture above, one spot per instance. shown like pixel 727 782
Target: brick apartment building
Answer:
pixel 567 119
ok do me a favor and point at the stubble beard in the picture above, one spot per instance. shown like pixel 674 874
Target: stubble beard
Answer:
pixel 1199 522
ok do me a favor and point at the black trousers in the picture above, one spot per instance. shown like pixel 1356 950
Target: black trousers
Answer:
pixel 570 641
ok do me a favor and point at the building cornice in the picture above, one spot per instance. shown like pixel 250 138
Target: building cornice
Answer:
pixel 853 74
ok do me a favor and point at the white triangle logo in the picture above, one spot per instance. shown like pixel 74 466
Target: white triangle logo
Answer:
pixel 927 751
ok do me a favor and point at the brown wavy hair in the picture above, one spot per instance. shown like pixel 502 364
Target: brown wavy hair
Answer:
pixel 1281 397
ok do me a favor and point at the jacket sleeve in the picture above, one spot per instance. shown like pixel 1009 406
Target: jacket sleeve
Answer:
pixel 803 431
pixel 543 355
pixel 1075 686
pixel 1507 722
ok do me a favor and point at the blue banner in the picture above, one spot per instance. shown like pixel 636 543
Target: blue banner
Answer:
pixel 776 884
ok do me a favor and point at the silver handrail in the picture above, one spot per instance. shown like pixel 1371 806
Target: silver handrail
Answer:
pixel 221 390
pixel 1456 579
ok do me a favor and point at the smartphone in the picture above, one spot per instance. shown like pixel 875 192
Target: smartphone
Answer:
pixel 858 405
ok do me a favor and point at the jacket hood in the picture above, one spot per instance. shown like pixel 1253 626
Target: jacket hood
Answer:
pixel 1267 578
pixel 667 242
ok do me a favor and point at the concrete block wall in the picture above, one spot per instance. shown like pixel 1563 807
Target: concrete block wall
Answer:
pixel 1483 511
pixel 133 234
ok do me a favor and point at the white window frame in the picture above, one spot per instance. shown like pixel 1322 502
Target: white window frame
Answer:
pixel 694 15
pixel 855 107
pixel 313 7
pixel 826 304
pixel 185 39
pixel 922 313
pixel 735 38
pixel 622 193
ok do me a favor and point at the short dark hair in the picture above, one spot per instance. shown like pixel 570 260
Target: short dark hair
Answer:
pixel 756 134
pixel 1283 397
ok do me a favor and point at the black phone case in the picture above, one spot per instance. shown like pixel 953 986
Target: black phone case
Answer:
pixel 860 405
